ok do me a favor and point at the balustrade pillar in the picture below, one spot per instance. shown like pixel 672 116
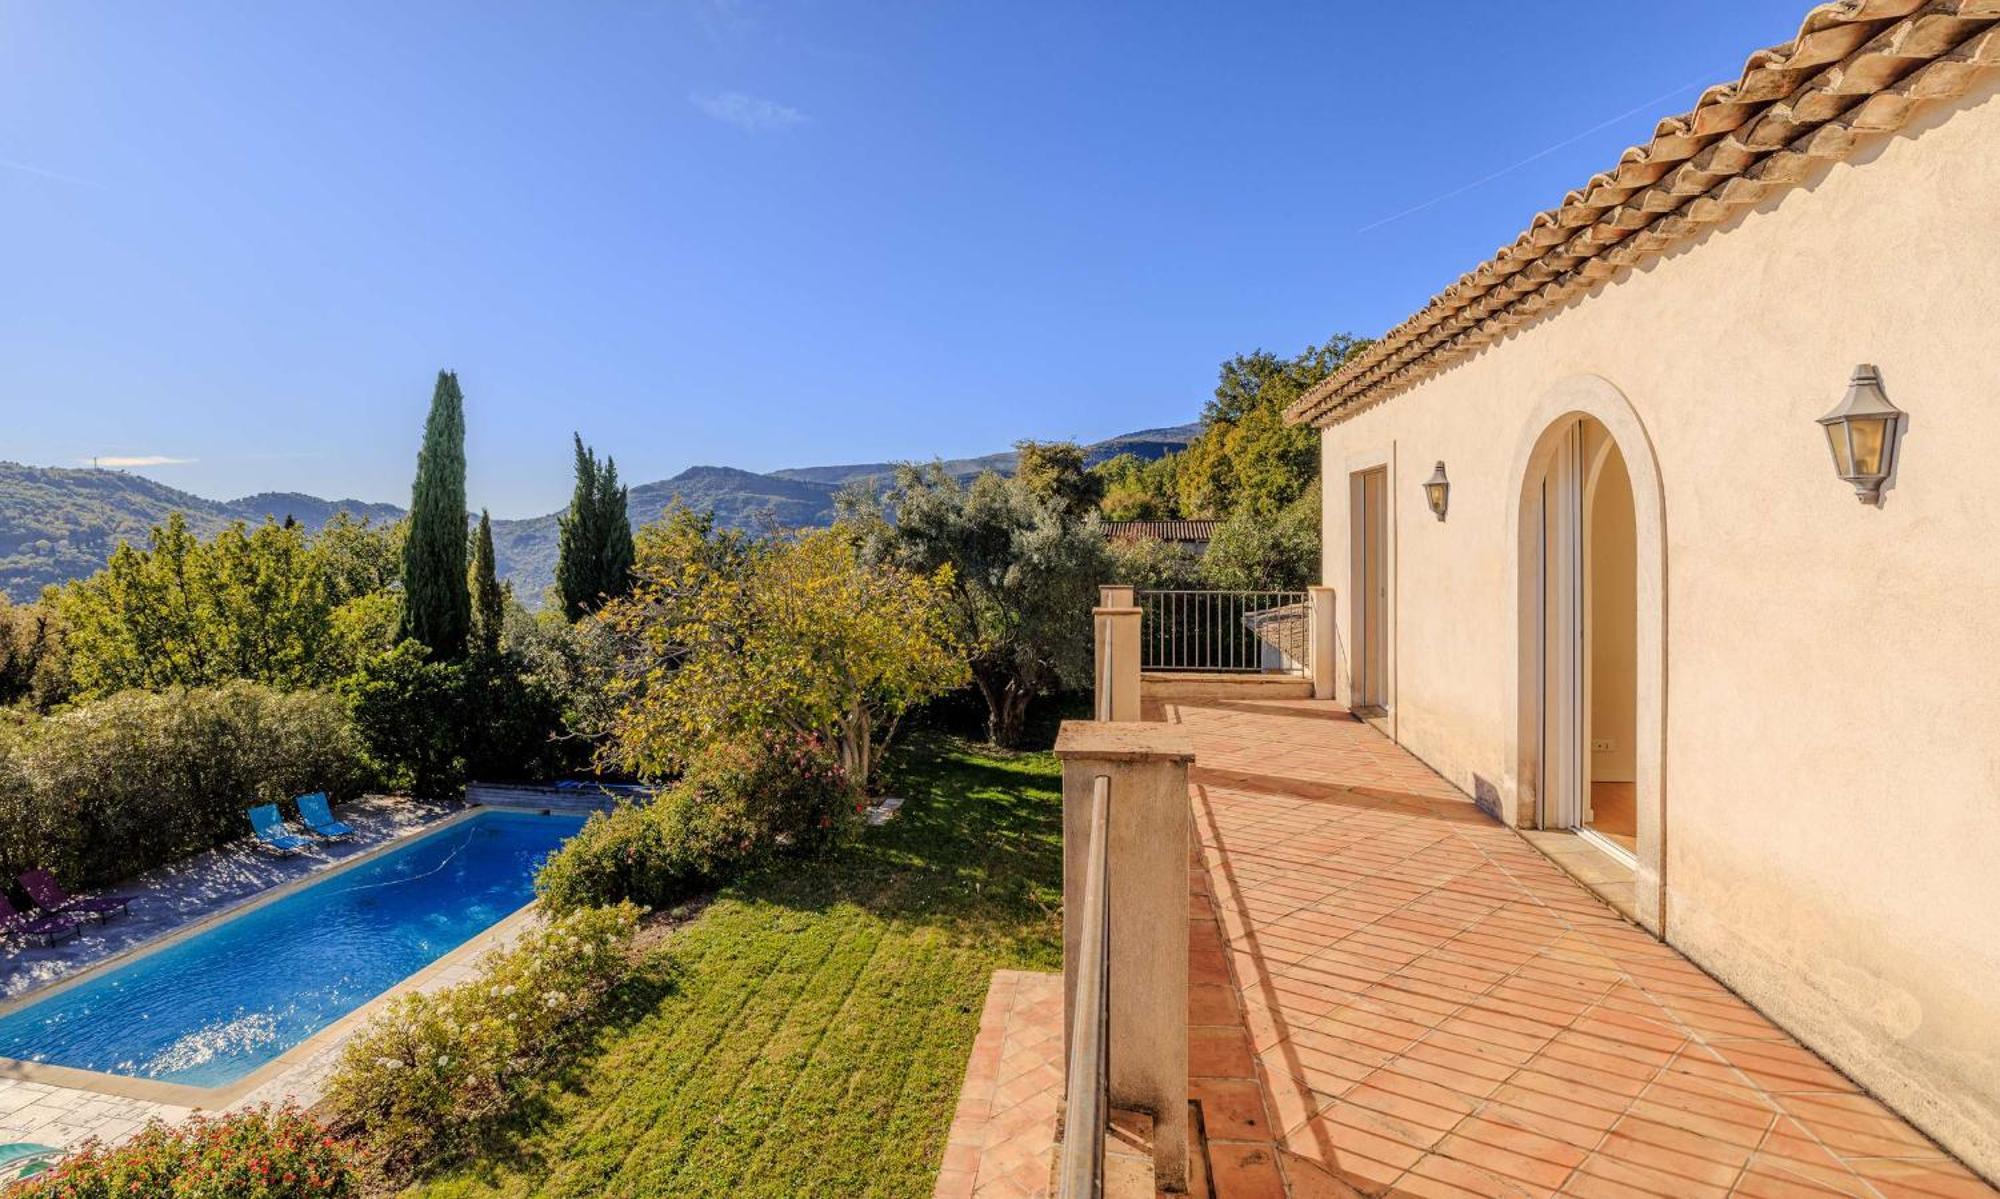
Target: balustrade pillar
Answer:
pixel 1321 659
pixel 1116 673
pixel 1146 886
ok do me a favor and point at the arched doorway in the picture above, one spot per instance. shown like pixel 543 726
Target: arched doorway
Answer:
pixel 1588 678
pixel 1588 737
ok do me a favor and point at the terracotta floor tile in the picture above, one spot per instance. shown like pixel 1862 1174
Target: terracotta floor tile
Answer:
pixel 1853 1125
pixel 1239 1171
pixel 1232 1109
pixel 1434 1009
pixel 1936 1178
pixel 1220 1051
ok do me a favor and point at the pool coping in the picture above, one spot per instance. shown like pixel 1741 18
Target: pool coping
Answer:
pixel 215 1098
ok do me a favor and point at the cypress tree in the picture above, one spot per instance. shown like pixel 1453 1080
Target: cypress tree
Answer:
pixel 489 605
pixel 594 538
pixel 437 604
pixel 615 558
pixel 579 539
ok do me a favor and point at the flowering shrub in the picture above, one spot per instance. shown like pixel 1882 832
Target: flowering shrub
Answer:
pixel 263 1153
pixel 424 1081
pixel 739 803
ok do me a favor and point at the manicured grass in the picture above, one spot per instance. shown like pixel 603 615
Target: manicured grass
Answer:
pixel 807 1034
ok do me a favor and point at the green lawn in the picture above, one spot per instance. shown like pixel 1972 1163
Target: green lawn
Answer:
pixel 806 1035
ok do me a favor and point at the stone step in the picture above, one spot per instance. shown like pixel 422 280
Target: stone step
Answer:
pixel 1180 686
pixel 1128 1157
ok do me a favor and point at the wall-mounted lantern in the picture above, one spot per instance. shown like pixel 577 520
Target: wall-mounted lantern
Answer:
pixel 1437 492
pixel 1862 434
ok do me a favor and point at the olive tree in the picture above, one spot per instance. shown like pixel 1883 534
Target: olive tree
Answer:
pixel 1024 575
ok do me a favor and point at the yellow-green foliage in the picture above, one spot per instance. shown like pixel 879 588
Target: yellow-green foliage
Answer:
pixel 1246 460
pixel 251 604
pixel 730 640
pixel 427 1079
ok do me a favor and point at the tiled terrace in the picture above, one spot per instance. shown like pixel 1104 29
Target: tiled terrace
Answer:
pixel 1004 1135
pixel 1434 1009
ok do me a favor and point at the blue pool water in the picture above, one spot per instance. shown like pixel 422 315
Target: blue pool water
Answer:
pixel 220 1004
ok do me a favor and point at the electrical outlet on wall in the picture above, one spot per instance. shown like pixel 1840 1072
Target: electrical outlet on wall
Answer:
pixel 1602 745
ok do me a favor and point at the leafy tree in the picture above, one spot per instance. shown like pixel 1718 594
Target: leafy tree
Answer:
pixel 33 669
pixel 1153 565
pixel 363 627
pixel 1055 474
pixel 437 605
pixel 360 557
pixel 798 639
pixel 1253 552
pixel 573 663
pixel 247 605
pixel 406 706
pixel 1138 489
pixel 489 601
pixel 594 538
pixel 1024 576
pixel 1247 457
pixel 432 724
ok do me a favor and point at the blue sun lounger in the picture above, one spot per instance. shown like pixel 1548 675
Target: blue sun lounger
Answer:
pixel 22 1160
pixel 318 818
pixel 270 830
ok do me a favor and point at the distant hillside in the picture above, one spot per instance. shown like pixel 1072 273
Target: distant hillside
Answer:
pixel 58 524
pixel 525 550
pixel 1146 443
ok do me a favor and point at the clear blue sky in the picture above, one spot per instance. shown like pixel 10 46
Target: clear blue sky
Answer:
pixel 757 234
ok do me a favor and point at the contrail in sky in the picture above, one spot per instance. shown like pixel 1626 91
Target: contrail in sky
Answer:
pixel 26 169
pixel 1434 201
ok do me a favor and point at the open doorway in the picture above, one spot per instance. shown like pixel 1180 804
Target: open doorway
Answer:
pixel 1611 629
pixel 1370 506
pixel 1589 677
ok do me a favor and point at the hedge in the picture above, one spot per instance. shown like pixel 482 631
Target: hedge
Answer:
pixel 105 790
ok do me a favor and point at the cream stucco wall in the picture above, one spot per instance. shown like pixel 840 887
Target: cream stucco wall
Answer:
pixel 1825 719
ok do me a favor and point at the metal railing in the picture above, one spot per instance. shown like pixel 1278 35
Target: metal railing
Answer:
pixel 1243 632
pixel 1080 1175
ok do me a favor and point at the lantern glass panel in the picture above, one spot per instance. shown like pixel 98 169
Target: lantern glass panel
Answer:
pixel 1434 495
pixel 1871 434
pixel 1836 437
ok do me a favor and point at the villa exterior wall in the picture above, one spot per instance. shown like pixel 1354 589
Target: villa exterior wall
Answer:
pixel 1828 736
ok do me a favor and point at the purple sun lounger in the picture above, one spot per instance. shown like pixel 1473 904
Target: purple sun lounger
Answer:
pixel 46 929
pixel 48 895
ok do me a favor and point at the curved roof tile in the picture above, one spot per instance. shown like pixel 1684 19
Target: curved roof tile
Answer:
pixel 1856 66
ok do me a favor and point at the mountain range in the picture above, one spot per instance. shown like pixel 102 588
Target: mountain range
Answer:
pixel 58 524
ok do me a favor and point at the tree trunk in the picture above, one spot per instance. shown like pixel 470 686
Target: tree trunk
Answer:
pixel 1006 721
pixel 855 747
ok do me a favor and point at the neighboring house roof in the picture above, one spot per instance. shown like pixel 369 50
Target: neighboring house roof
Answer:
pixel 1191 531
pixel 1856 67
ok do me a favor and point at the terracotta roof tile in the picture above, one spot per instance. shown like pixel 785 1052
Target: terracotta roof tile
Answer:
pixel 1856 67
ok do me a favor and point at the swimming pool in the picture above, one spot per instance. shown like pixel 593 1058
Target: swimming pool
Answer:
pixel 208 1010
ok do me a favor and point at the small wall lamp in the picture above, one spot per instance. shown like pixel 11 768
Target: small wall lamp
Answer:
pixel 1437 491
pixel 1861 432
